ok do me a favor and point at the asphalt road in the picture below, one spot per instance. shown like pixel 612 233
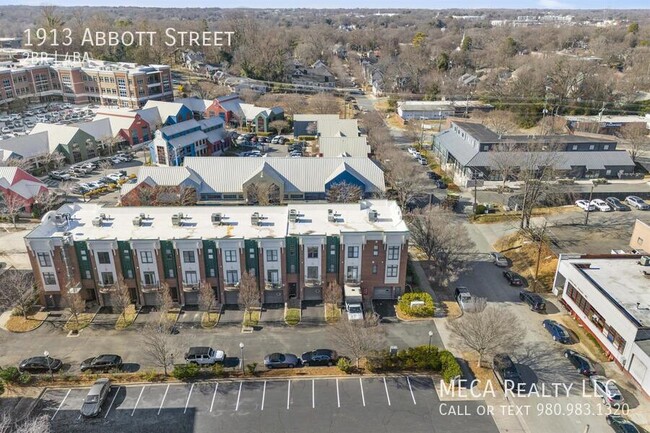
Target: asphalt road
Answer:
pixel 377 404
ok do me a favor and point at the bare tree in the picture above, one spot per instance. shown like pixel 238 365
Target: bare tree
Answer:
pixel 75 303
pixel 505 160
pixel 536 170
pixel 159 346
pixel 332 293
pixel 279 126
pixel 164 300
pixel 444 240
pixel 249 293
pixel 13 205
pixel 401 178
pixel 18 291
pixel 488 331
pixel 207 298
pixel 39 424
pixel 66 187
pixel 344 192
pixel 263 193
pixel 500 121
pixel 638 142
pixel 120 295
pixel 46 200
pixel 359 338
pixel 23 164
pixel 104 166
pixel 324 104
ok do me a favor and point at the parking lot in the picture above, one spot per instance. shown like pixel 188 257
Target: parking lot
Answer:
pixel 378 404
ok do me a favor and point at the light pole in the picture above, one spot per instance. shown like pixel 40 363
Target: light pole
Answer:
pixel 241 355
pixel 430 337
pixel 49 365
pixel 591 193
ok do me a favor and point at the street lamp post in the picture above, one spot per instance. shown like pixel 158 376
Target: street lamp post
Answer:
pixel 591 193
pixel 430 337
pixel 241 355
pixel 49 365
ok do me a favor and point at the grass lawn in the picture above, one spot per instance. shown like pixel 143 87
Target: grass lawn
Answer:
pixel 209 319
pixel 172 316
pixel 82 321
pixel 20 324
pixel 127 318
pixel 332 313
pixel 252 317
pixel 292 316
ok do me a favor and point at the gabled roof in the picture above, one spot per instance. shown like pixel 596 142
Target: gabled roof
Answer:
pixel 165 109
pixel 195 104
pixel 179 127
pixel 338 128
pixel 56 134
pixel 99 129
pixel 252 111
pixel 232 103
pixel 28 146
pixel 350 146
pixel 20 182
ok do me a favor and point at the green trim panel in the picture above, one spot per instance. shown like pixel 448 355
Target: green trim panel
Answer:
pixel 169 258
pixel 252 254
pixel 126 258
pixel 83 258
pixel 293 255
pixel 211 268
pixel 333 252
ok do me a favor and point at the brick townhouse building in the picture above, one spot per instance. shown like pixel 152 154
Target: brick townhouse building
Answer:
pixel 293 251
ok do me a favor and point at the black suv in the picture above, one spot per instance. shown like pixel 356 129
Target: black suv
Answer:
pixel 102 363
pixel 506 372
pixel 535 301
pixel 319 357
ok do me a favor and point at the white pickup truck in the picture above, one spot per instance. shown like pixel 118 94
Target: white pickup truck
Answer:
pixel 353 300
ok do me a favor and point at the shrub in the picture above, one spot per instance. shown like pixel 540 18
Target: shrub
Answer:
pixel 219 371
pixel 306 138
pixel 10 374
pixel 186 371
pixel 425 310
pixel 2 388
pixel 450 366
pixel 150 376
pixel 345 365
pixel 480 209
pixel 250 368
pixel 414 358
pixel 24 378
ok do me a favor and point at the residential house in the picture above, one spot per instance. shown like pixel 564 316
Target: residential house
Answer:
pixel 316 75
pixel 293 252
pixel 17 183
pixel 235 112
pixel 75 144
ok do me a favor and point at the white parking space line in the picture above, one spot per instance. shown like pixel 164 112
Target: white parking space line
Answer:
pixel 411 389
pixel 363 396
pixel 188 398
pixel 214 395
pixel 61 404
pixel 110 406
pixel 338 396
pixel 163 399
pixel 138 401
pixel 263 395
pixel 386 388
pixel 288 394
pixel 313 394
pixel 238 395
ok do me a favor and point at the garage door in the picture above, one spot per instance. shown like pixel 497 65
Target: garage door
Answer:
pixel 231 297
pixel 108 299
pixel 313 294
pixel 150 299
pixel 191 298
pixel 273 297
pixel 638 369
pixel 382 293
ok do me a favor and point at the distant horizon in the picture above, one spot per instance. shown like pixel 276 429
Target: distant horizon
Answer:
pixel 381 5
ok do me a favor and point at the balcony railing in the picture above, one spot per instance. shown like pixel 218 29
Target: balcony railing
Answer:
pixel 149 288
pixel 313 282
pixel 270 285
pixel 231 285
pixel 190 287
pixel 352 282
pixel 105 288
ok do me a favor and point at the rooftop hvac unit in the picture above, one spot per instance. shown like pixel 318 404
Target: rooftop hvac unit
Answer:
pixel 256 218
pixel 330 215
pixel 97 221
pixel 137 221
pixel 293 215
pixel 372 215
pixel 217 218
pixel 644 261
pixel 142 216
pixel 60 220
pixel 102 215
pixel 177 219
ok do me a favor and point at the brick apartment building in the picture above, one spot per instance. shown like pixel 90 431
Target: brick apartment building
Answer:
pixel 106 83
pixel 293 251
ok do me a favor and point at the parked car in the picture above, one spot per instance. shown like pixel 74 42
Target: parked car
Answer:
pixel 39 364
pixel 441 184
pixel 601 205
pixel 92 405
pixel 637 202
pixel 203 355
pixel 607 390
pixel 499 259
pixel 102 363
pixel 463 297
pixel 433 175
pixel 275 140
pixel 513 278
pixel 557 331
pixel 319 357
pixel 281 360
pixel 411 150
pixel 506 371
pixel 581 362
pixel 422 161
pixel 616 204
pixel 620 424
pixel 585 205
pixel 534 301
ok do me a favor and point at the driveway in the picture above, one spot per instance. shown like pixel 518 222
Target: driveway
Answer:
pixel 231 315
pixel 386 310
pixel 190 317
pixel 354 405
pixel 313 313
pixel 273 315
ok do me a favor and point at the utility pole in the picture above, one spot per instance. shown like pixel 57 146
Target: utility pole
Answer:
pixel 591 193
pixel 542 236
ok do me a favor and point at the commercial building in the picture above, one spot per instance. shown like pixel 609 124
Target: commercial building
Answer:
pixel 20 187
pixel 77 82
pixel 292 251
pixel 609 295
pixel 173 143
pixel 603 124
pixel 433 110
pixel 640 239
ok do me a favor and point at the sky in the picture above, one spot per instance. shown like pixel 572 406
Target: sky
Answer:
pixel 376 4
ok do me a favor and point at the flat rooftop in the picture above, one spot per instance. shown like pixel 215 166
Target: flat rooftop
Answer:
pixel 197 223
pixel 623 280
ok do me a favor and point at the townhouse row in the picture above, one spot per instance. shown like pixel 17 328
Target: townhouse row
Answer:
pixel 293 252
